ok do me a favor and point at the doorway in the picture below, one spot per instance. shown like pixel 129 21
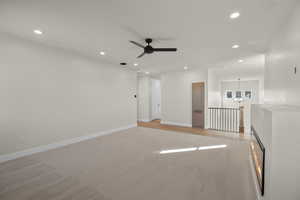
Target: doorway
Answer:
pixel 198 104
pixel 155 99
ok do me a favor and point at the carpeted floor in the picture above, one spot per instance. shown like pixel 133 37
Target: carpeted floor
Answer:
pixel 135 164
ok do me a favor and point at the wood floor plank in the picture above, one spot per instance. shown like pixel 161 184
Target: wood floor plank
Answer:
pixel 156 124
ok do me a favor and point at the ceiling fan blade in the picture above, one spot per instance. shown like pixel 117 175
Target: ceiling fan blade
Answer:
pixel 137 44
pixel 165 49
pixel 163 39
pixel 141 55
pixel 133 32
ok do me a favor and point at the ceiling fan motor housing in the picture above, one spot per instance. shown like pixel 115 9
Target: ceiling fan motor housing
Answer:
pixel 148 49
pixel 148 40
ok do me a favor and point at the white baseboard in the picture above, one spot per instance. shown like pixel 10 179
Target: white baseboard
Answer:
pixel 253 174
pixel 175 124
pixel 63 143
pixel 144 120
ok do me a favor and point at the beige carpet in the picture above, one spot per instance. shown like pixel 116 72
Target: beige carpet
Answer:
pixel 136 164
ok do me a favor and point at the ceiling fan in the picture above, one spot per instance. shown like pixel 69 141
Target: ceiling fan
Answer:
pixel 148 49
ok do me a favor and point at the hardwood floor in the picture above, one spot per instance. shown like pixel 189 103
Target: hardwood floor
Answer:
pixel 192 130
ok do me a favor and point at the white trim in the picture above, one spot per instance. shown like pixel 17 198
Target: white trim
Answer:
pixel 63 143
pixel 176 124
pixel 253 173
pixel 144 120
pixel 155 118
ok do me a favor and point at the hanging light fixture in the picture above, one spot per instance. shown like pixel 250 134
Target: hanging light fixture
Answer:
pixel 238 94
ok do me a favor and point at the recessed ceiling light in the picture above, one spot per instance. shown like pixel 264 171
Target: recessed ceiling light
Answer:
pixel 147 72
pixel 38 32
pixel 235 46
pixel 240 61
pixel 185 67
pixel 235 15
pixel 102 53
pixel 135 64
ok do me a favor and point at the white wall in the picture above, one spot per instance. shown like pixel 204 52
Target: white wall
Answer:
pixel 251 69
pixel 282 86
pixel 49 95
pixel 144 98
pixel 214 89
pixel 282 171
pixel 281 137
pixel 249 85
pixel 177 95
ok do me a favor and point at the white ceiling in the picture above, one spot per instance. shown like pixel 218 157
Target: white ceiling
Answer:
pixel 251 69
pixel 200 29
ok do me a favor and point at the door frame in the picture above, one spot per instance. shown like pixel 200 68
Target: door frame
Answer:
pixel 205 102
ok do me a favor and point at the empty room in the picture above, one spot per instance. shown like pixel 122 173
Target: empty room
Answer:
pixel 149 100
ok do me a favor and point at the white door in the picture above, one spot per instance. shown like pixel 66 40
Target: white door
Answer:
pixel 155 99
